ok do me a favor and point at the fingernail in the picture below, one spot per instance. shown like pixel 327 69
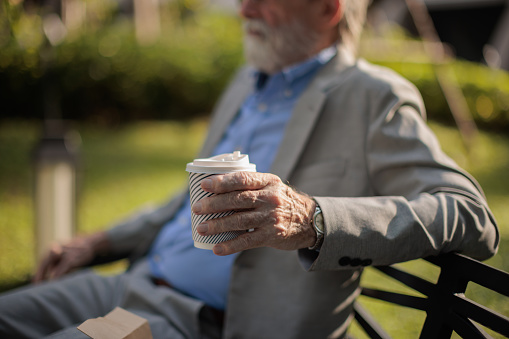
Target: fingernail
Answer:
pixel 206 184
pixel 218 249
pixel 202 228
pixel 197 207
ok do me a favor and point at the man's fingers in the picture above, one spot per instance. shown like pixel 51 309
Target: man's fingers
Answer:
pixel 240 200
pixel 238 181
pixel 241 243
pixel 241 221
pixel 48 263
pixel 41 272
pixel 63 267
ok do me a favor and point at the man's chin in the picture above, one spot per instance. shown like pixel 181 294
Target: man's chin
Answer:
pixel 257 54
pixel 260 62
pixel 255 35
pixel 256 41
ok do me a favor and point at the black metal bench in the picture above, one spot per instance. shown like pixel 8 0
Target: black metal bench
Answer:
pixel 447 309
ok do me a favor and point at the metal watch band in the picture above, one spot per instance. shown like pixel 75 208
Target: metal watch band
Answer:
pixel 319 232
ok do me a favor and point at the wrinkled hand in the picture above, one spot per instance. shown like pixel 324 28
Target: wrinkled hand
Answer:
pixel 63 258
pixel 279 216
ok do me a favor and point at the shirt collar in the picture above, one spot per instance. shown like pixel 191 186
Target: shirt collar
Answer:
pixel 291 73
pixel 301 69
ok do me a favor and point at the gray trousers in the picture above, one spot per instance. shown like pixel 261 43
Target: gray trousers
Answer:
pixel 54 309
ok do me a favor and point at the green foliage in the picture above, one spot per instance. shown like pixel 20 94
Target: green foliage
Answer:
pixel 486 91
pixel 105 75
pixel 102 74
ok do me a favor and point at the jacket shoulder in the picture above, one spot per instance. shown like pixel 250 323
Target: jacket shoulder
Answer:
pixel 378 84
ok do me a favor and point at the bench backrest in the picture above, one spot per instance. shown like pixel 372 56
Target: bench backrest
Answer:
pixel 447 309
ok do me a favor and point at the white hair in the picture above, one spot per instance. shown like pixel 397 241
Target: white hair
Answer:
pixel 352 23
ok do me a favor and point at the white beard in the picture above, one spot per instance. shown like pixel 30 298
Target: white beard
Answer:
pixel 279 47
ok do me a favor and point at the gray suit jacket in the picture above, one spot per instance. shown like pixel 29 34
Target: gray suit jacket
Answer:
pixel 358 143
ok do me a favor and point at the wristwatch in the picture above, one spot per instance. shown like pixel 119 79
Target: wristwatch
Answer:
pixel 318 225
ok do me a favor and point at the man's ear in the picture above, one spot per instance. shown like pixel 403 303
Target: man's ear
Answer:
pixel 332 12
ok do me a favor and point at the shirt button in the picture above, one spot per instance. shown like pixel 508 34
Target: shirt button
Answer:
pixel 288 93
pixel 262 107
pixel 183 221
pixel 157 258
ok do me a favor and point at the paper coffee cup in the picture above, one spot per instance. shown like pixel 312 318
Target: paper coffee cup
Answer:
pixel 201 169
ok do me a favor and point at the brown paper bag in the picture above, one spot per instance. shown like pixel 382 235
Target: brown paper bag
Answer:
pixel 118 324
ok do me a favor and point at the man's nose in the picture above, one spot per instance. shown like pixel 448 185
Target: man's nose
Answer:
pixel 249 9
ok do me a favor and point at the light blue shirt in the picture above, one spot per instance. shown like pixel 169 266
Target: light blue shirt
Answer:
pixel 257 131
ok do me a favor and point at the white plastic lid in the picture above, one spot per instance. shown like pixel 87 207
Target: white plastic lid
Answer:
pixel 223 163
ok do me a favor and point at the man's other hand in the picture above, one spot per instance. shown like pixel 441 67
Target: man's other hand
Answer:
pixel 63 258
pixel 277 215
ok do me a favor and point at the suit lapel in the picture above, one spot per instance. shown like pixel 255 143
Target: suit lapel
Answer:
pixel 306 113
pixel 297 132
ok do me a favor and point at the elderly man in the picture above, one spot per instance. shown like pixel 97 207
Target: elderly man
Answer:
pixel 368 185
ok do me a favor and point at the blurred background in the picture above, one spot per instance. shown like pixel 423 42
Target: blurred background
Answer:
pixel 104 101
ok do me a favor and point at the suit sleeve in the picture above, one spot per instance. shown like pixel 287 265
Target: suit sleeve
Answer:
pixel 136 232
pixel 423 203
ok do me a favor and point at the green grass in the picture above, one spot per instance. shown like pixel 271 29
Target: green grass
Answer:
pixel 143 163
pixel 121 170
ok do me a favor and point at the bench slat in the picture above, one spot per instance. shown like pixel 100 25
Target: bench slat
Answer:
pixel 420 285
pixel 397 298
pixel 368 323
pixel 481 314
pixel 474 271
pixel 466 328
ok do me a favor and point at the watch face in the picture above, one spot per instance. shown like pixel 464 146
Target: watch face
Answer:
pixel 319 221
